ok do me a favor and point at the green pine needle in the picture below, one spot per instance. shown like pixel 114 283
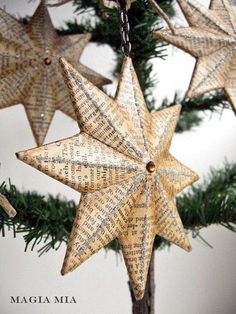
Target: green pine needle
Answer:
pixel 47 221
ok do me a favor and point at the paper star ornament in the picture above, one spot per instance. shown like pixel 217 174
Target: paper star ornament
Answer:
pixel 121 164
pixel 29 69
pixel 211 39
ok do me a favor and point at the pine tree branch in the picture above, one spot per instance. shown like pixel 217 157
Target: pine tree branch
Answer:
pixel 143 20
pixel 104 25
pixel 49 219
pixel 214 102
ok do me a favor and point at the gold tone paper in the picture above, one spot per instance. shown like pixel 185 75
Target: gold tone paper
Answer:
pixel 29 69
pixel 211 39
pixel 4 203
pixel 121 164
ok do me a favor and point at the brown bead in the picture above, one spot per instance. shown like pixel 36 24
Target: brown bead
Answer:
pixel 47 61
pixel 151 167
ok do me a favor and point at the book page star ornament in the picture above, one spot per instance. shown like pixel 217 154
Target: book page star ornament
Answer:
pixel 29 70
pixel 211 39
pixel 121 164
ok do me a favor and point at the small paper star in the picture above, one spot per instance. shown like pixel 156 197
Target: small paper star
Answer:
pixel 211 39
pixel 29 69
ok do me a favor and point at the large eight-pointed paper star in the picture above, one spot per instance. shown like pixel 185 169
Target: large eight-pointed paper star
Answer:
pixel 211 39
pixel 29 69
pixel 121 164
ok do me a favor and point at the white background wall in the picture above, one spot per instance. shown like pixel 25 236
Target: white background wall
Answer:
pixel 200 282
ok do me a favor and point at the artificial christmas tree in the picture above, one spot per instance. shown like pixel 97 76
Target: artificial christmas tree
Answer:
pixel 214 202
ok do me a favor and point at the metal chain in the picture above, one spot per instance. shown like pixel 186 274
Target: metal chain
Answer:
pixel 124 29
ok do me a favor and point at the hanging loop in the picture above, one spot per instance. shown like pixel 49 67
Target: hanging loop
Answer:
pixel 124 29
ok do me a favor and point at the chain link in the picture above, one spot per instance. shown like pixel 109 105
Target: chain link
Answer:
pixel 124 29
